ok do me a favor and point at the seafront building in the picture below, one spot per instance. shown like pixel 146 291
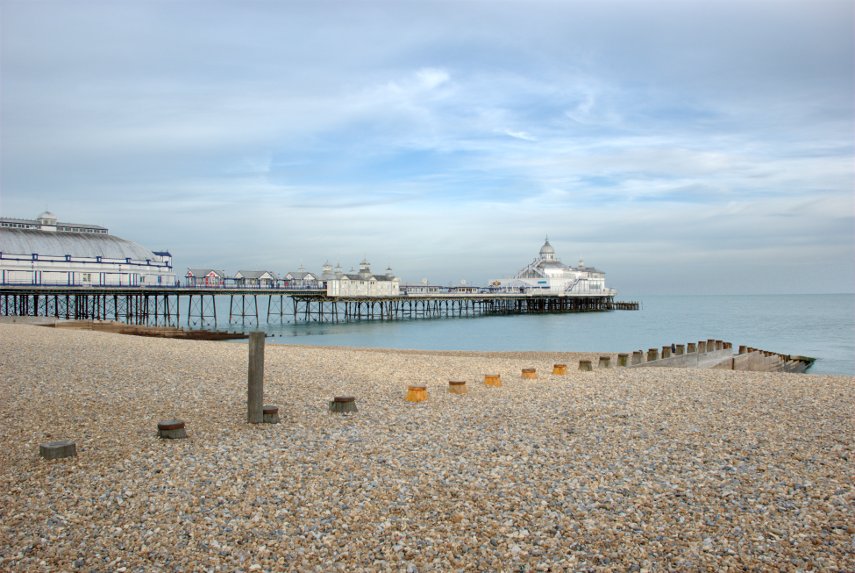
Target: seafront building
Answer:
pixel 47 252
pixel 547 275
pixel 364 283
pixel 201 277
pixel 262 279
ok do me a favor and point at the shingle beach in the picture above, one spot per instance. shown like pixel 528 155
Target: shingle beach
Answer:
pixel 647 469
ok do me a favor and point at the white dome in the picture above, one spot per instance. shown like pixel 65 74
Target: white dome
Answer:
pixel 47 218
pixel 546 249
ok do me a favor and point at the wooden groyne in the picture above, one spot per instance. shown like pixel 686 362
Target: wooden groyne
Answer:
pixel 716 354
pixel 142 330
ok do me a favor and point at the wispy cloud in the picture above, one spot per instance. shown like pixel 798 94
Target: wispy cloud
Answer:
pixel 445 142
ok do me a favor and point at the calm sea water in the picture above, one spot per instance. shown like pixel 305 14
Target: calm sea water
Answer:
pixel 822 326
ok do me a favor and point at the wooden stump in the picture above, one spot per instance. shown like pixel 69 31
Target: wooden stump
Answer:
pixel 343 404
pixel 270 414
pixel 456 387
pixel 494 380
pixel 58 449
pixel 652 354
pixel 585 366
pixel 417 394
pixel 529 373
pixel 680 349
pixel 605 362
pixel 171 429
pixel 623 359
pixel 559 369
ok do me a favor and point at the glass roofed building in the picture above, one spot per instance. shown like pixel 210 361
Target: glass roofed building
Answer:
pixel 45 251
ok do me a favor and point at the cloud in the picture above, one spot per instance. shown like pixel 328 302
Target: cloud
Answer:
pixel 445 141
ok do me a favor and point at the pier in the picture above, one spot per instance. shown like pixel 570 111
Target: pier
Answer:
pixel 198 307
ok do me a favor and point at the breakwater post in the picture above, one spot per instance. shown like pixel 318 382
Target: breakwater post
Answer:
pixel 255 379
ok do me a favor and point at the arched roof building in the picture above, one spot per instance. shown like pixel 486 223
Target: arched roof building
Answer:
pixel 44 251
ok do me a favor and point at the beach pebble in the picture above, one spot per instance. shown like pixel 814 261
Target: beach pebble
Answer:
pixel 616 470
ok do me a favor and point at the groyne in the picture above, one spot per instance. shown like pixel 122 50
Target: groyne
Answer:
pixel 716 354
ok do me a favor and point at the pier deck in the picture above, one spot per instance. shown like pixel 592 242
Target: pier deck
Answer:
pixel 197 307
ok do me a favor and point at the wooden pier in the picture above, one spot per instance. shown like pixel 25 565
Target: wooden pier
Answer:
pixel 164 306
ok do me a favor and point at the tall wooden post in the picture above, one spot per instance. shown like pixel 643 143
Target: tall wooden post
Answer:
pixel 255 379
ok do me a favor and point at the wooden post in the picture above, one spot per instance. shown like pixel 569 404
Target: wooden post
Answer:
pixel 622 359
pixel 605 362
pixel 417 394
pixel 172 429
pixel 559 369
pixel 343 404
pixel 493 380
pixel 529 373
pixel 457 387
pixel 58 449
pixel 255 379
pixel 585 366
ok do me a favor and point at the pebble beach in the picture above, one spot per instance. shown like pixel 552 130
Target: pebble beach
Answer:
pixel 643 469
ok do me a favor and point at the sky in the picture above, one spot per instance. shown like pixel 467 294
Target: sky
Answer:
pixel 694 147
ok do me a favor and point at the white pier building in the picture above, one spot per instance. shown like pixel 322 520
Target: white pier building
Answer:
pixel 363 284
pixel 46 252
pixel 546 275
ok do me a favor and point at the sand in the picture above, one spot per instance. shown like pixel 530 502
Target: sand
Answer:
pixel 612 470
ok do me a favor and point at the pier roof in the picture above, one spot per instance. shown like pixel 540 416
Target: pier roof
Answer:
pixel 31 241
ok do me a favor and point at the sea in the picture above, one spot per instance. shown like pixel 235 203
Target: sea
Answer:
pixel 821 326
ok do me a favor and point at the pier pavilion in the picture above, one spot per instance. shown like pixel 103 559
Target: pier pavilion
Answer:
pixel 47 252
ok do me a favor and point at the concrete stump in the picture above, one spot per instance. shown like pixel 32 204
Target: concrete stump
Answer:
pixel 529 373
pixel 623 359
pixel 494 380
pixel 343 404
pixel 605 362
pixel 456 387
pixel 270 414
pixel 58 449
pixel 171 429
pixel 559 369
pixel 585 366
pixel 417 394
